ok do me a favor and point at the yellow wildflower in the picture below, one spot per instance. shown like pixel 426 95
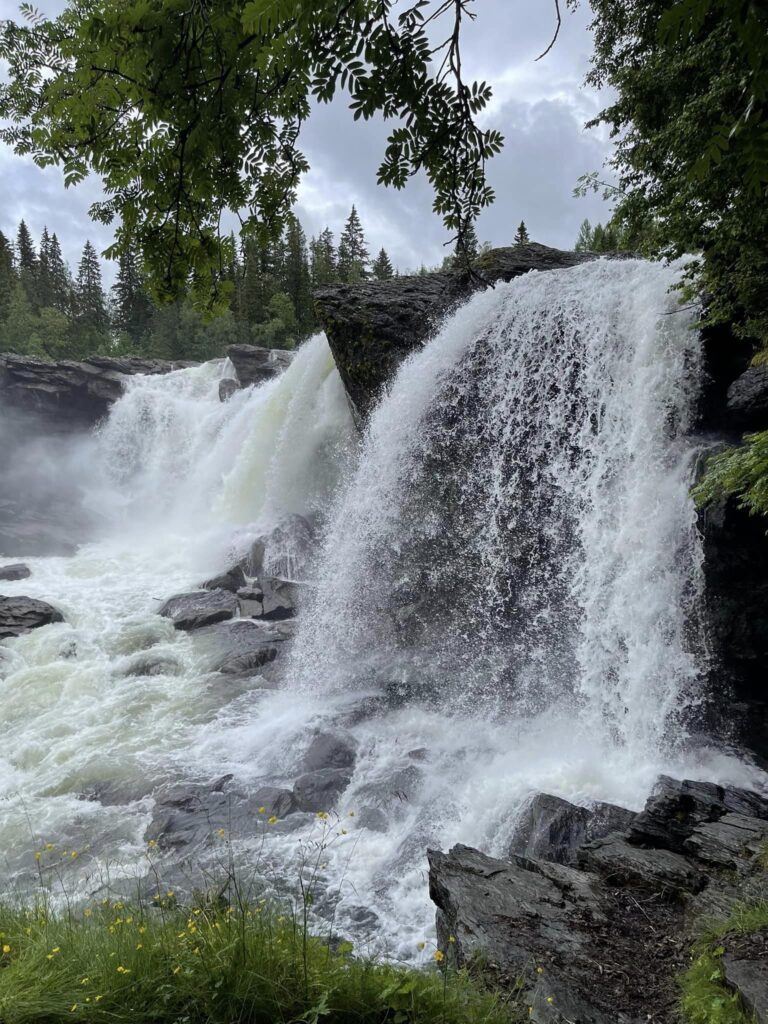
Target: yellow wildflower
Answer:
pixel 421 946
pixel 74 855
pixel 272 820
pixel 439 955
pixel 151 844
pixel 123 970
pixel 73 1007
pixel 220 833
pixel 451 939
pixel 87 912
pixel 176 970
pixel 322 815
pixel 170 894
pixel 84 981
pixel 6 948
pixel 550 999
pixel 38 855
pixel 140 946
pixel 98 999
pixel 49 847
pixel 539 970
pixel 262 810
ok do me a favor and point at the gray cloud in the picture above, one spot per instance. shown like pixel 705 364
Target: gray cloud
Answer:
pixel 540 107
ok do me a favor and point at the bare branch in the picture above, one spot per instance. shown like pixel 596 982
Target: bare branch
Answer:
pixel 558 26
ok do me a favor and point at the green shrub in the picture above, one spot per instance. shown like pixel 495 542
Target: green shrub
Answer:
pixel 741 472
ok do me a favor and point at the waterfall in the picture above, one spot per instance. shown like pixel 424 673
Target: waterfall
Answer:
pixel 519 532
pixel 505 600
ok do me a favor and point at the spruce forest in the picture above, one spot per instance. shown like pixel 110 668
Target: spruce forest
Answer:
pixel 49 312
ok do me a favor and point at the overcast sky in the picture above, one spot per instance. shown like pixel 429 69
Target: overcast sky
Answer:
pixel 540 107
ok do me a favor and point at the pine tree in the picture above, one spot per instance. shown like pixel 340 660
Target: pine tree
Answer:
pixel 467 246
pixel 296 277
pixel 352 258
pixel 382 268
pixel 131 306
pixel 44 285
pixel 91 322
pixel 522 237
pixel 59 277
pixel 25 249
pixel 323 256
pixel 7 277
pixel 27 264
pixel 585 240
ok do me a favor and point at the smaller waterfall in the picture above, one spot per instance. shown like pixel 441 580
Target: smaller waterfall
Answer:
pixel 177 462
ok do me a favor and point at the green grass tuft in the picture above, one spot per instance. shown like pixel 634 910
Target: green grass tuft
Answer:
pixel 248 964
pixel 706 999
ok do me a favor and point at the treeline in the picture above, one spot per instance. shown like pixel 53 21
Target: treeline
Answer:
pixel 47 311
pixel 616 236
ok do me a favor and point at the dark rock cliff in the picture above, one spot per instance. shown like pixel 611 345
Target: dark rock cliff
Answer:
pixel 373 325
pixel 70 395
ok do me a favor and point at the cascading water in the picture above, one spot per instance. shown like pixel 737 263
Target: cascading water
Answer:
pixel 505 600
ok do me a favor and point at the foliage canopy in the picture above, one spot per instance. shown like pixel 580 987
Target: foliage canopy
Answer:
pixel 188 108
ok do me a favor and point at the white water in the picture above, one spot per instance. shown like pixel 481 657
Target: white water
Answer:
pixel 506 594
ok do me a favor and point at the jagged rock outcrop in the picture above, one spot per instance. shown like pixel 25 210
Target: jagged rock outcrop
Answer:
pixel 241 647
pixel 254 365
pixel 748 399
pixel 71 395
pixel 553 829
pixel 372 326
pixel 21 614
pixel 603 945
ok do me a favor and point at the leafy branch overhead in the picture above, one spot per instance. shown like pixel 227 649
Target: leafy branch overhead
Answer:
pixel 189 108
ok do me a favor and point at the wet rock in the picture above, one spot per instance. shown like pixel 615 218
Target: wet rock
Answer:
pixel 230 580
pixel 677 808
pixel 748 399
pixel 274 800
pixel 372 326
pixel 729 841
pixel 21 614
pixel 18 571
pixel 661 871
pixel 72 395
pixel 270 599
pixel 320 790
pixel 286 551
pixel 149 664
pixel 241 647
pixel 194 816
pixel 746 972
pixel 200 608
pixel 518 916
pixel 227 387
pixel 331 750
pixel 554 829
pixel 254 365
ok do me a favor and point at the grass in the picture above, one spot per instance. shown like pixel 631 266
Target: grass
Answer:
pixel 241 964
pixel 706 999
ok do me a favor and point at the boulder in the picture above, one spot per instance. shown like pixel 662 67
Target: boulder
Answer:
pixel 21 614
pixel 254 365
pixel 71 395
pixel 676 809
pixel 746 972
pixel 320 790
pixel 200 608
pixel 227 387
pixel 274 800
pixel 748 399
pixel 270 599
pixel 373 325
pixel 554 829
pixel 521 917
pixel 18 571
pixel 146 663
pixel 239 648
pixel 286 551
pixel 331 750
pixel 231 580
